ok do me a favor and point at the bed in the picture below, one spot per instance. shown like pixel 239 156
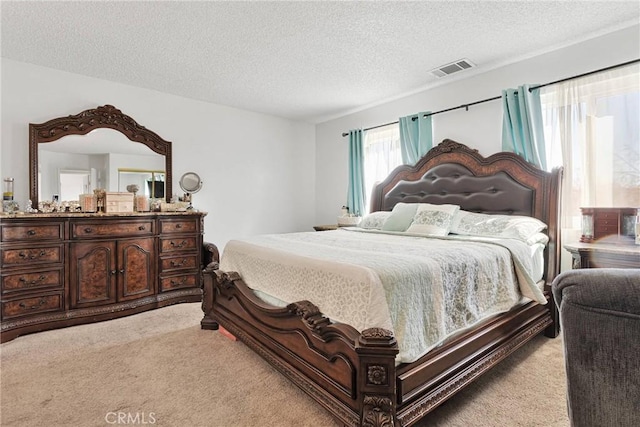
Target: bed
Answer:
pixel 356 373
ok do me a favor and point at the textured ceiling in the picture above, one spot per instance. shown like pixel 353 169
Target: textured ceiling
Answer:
pixel 307 61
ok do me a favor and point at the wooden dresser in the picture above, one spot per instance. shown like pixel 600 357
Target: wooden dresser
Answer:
pixel 60 270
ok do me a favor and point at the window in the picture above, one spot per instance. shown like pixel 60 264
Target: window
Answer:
pixel 591 128
pixel 381 152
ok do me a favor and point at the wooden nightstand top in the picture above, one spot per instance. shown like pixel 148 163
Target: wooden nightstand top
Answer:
pixel 604 255
pixel 603 247
pixel 325 227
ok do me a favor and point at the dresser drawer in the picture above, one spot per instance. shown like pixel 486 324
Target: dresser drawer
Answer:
pixel 613 216
pixel 604 222
pixel 31 256
pixel 183 225
pixel 27 281
pixel 179 282
pixel 179 263
pixel 32 233
pixel 87 230
pixel 604 228
pixel 178 244
pixel 32 305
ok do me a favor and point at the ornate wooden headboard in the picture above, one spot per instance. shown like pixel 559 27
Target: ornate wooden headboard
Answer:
pixel 503 183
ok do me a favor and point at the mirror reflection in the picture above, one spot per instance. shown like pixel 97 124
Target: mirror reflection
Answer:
pixel 86 151
pixel 104 158
pixel 150 183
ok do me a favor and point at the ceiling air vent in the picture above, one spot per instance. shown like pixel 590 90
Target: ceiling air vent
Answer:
pixel 453 67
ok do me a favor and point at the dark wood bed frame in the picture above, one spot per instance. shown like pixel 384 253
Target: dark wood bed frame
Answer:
pixel 353 374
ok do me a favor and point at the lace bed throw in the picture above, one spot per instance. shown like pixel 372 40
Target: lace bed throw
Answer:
pixel 423 289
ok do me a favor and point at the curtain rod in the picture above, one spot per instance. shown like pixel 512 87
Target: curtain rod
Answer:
pixel 466 106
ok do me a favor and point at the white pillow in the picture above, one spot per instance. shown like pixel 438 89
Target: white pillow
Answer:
pixel 374 220
pixel 520 227
pixel 433 220
pixel 540 238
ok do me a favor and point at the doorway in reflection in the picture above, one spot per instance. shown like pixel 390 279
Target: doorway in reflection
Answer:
pixel 73 183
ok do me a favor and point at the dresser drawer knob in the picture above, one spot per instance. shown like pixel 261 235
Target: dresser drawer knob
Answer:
pixel 35 306
pixel 178 263
pixel 142 228
pixel 178 225
pixel 88 230
pixel 33 282
pixel 33 256
pixel 178 282
pixel 31 233
pixel 178 245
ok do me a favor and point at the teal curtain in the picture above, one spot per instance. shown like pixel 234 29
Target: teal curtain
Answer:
pixel 355 193
pixel 416 137
pixel 522 130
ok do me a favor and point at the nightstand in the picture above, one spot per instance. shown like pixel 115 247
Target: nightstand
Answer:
pixel 325 227
pixel 603 255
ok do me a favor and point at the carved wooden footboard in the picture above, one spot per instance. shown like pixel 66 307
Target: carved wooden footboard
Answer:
pixel 353 375
pixel 324 359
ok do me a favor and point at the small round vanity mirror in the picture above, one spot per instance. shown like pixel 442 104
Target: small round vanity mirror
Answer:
pixel 190 183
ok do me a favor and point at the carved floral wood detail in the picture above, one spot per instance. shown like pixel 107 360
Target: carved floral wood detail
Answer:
pixel 377 412
pixel 376 375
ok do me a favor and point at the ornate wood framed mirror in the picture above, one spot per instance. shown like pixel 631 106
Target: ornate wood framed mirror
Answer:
pixel 73 126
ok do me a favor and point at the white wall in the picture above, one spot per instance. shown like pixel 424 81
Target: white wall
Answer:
pixel 258 170
pixel 480 127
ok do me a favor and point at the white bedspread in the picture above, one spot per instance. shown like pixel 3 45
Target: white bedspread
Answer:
pixel 422 289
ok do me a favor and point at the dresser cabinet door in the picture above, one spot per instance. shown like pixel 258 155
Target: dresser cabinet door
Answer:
pixel 136 272
pixel 92 273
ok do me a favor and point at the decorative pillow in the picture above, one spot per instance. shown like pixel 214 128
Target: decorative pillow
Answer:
pixel 433 220
pixel 509 226
pixel 374 220
pixel 401 217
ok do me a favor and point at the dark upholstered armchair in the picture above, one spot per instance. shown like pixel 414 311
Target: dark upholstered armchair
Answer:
pixel 600 324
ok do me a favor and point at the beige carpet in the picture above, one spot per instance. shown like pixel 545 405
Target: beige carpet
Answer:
pixel 159 368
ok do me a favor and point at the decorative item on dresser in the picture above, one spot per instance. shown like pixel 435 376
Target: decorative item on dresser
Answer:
pixel 610 225
pixel 60 270
pixel 608 239
pixel 190 183
pixel 354 373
